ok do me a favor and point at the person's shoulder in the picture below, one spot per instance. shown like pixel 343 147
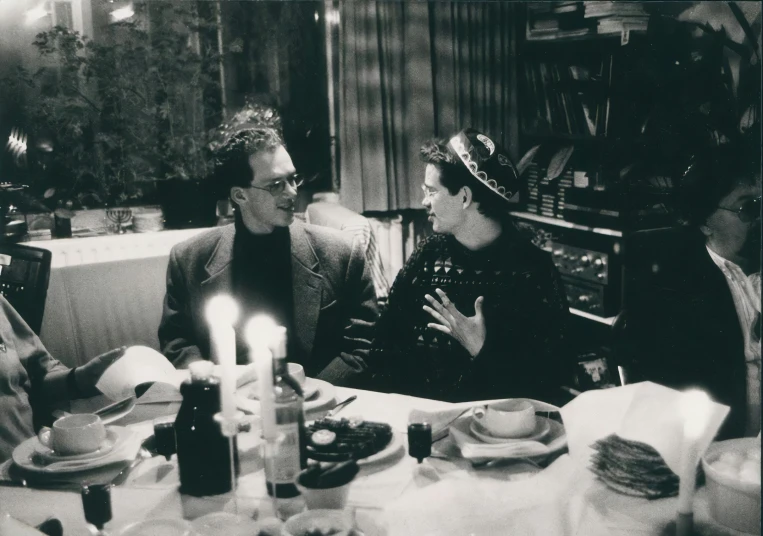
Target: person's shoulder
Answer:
pixel 203 243
pixel 324 238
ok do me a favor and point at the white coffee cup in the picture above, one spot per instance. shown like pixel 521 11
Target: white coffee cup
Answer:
pixel 509 419
pixel 297 372
pixel 74 434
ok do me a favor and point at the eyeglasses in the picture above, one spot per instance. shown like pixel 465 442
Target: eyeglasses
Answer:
pixel 428 192
pixel 278 187
pixel 749 210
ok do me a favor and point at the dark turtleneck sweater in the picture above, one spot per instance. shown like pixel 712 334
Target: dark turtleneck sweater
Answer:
pixel 262 282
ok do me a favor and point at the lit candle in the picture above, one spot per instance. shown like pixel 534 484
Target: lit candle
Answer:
pixel 222 313
pixel 258 332
pixel 695 410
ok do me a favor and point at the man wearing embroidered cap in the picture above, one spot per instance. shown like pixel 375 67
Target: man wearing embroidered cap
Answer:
pixel 477 312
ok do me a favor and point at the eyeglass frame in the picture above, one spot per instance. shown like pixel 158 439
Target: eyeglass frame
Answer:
pixel 742 209
pixel 294 180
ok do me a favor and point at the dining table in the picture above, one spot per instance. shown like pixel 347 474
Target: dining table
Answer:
pixel 396 495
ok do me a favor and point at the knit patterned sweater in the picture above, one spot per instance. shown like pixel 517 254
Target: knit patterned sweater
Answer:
pixel 524 308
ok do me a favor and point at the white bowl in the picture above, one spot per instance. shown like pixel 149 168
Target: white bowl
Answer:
pixel 325 521
pixel 733 503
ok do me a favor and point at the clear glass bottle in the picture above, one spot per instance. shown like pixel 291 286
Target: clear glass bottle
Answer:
pixel 286 454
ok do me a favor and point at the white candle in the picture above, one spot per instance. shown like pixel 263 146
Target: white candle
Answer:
pixel 222 313
pixel 259 330
pixel 695 409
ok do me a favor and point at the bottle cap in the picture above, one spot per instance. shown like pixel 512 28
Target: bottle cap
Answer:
pixel 201 370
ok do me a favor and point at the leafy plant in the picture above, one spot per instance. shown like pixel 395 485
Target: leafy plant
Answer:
pixel 110 115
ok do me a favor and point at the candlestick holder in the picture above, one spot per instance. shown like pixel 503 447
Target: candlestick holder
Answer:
pixel 119 216
pixel 230 427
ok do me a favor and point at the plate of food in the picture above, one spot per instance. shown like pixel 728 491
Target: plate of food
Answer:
pixel 367 442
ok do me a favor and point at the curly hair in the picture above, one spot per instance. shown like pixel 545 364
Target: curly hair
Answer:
pixel 454 176
pixel 232 157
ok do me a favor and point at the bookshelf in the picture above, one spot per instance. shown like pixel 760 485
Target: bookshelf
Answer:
pixel 581 68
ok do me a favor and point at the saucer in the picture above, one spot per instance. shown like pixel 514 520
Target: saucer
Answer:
pixel 125 448
pixel 310 389
pixel 51 455
pixel 542 428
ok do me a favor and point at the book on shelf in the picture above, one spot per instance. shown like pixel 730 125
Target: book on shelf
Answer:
pixel 565 98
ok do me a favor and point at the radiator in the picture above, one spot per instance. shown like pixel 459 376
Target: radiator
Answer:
pixel 106 292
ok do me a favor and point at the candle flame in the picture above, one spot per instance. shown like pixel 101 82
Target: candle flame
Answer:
pixel 259 331
pixel 222 309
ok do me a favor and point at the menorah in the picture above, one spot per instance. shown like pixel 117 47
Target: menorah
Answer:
pixel 119 216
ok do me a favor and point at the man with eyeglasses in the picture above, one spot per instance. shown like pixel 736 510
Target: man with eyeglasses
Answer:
pixel 310 279
pixel 698 323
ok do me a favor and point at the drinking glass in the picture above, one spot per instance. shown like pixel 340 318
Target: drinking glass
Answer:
pixel 420 440
pixel 96 501
pixel 165 443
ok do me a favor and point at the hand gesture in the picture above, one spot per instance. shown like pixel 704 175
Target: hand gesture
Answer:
pixel 87 375
pixel 468 330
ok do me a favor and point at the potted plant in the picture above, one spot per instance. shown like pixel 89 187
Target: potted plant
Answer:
pixel 124 119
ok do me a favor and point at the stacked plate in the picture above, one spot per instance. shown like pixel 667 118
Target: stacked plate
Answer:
pixel 147 221
pixel 632 468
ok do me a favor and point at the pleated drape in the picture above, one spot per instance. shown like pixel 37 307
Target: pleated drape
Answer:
pixel 409 71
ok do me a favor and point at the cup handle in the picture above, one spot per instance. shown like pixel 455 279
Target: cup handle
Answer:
pixel 44 436
pixel 479 413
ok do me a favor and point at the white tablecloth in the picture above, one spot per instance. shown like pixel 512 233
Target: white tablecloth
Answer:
pixel 439 497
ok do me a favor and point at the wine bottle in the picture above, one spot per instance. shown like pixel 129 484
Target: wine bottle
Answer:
pixel 203 452
pixel 286 453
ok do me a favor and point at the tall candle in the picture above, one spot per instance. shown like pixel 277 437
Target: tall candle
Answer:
pixel 259 331
pixel 695 409
pixel 222 313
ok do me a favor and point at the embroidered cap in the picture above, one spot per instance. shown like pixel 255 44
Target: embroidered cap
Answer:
pixel 486 161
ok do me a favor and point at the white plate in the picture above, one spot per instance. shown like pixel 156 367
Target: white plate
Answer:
pixel 542 428
pixel 394 446
pixel 555 441
pixel 324 397
pixel 52 456
pixel 22 454
pixel 252 389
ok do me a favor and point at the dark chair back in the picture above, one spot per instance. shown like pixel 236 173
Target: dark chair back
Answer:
pixel 24 277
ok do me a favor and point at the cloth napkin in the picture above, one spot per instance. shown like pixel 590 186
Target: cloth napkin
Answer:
pixel 485 506
pixel 644 412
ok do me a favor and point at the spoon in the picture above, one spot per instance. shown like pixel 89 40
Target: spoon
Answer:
pixel 339 407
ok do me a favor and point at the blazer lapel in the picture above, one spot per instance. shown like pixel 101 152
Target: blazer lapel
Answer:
pixel 218 267
pixel 307 285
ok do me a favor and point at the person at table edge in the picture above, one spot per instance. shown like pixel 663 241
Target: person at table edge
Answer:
pixel 312 280
pixel 32 381
pixel 477 312
pixel 696 322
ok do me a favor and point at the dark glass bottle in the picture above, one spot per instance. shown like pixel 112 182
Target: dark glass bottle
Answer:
pixel 203 452
pixel 96 501
pixel 287 455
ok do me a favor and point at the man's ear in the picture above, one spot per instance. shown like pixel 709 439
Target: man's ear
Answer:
pixel 707 231
pixel 466 196
pixel 238 195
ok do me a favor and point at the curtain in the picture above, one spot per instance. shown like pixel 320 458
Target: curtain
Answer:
pixel 410 71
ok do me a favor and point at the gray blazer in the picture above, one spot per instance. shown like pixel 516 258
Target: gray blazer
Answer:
pixel 334 299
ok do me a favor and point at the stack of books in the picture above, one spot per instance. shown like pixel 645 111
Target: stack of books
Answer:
pixel 617 17
pixel 556 20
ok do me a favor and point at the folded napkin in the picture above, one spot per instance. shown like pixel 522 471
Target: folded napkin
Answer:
pixel 644 412
pixel 441 419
